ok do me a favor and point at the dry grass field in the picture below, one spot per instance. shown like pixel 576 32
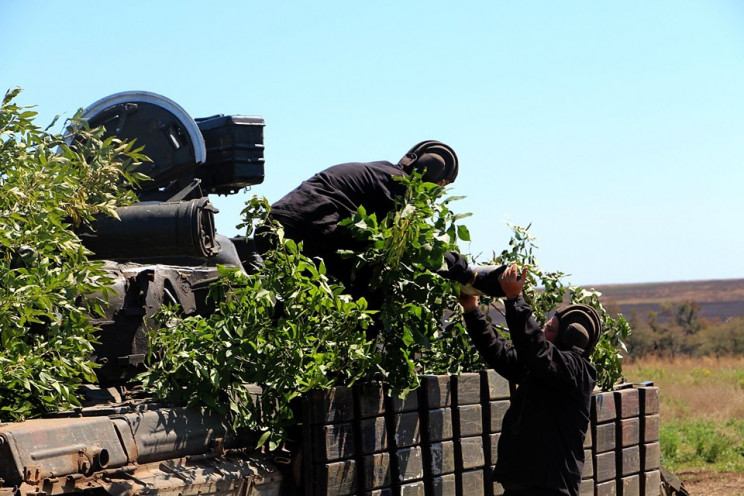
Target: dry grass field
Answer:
pixel 706 388
pixel 702 399
pixel 702 420
pixel 718 299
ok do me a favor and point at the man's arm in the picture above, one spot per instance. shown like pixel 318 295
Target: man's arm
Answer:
pixel 495 350
pixel 534 351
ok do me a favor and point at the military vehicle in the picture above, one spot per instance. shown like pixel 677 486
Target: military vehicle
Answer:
pixel 164 249
pixel 439 441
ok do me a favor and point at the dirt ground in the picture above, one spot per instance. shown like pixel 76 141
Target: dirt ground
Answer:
pixel 709 483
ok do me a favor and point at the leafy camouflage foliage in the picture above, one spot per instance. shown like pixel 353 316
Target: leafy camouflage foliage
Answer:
pixel 545 290
pixel 290 329
pixel 287 328
pixel 418 333
pixel 47 187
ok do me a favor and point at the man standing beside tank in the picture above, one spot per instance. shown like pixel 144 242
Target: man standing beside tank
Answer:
pixel 540 450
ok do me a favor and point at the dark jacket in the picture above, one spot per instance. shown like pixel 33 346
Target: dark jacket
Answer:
pixel 317 205
pixel 311 212
pixel 541 442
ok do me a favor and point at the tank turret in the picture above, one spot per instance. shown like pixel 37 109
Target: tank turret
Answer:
pixel 164 248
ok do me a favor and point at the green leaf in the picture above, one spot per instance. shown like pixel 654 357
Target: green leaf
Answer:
pixel 45 328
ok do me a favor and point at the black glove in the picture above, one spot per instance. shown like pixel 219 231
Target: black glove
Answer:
pixel 476 279
pixel 457 268
pixel 487 279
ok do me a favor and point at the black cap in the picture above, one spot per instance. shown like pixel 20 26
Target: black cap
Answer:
pixel 437 161
pixel 578 325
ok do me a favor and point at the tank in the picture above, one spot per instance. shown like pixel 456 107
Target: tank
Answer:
pixel 440 440
pixel 163 250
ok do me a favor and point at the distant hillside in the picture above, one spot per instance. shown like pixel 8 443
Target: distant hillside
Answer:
pixel 718 299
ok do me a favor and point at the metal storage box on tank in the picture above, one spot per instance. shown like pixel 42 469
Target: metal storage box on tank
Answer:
pixel 235 152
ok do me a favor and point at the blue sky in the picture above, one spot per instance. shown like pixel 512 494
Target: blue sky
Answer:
pixel 614 128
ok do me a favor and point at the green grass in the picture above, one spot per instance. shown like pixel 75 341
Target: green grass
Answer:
pixel 701 410
pixel 696 444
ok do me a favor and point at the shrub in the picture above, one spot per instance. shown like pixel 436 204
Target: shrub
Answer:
pixel 290 329
pixel 47 188
pixel 545 290
pixel 290 313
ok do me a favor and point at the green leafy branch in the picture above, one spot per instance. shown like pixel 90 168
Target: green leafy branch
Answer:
pixel 47 187
pixel 545 290
pixel 405 250
pixel 287 329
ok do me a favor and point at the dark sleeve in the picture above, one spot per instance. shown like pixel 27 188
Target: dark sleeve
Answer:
pixel 495 350
pixel 457 268
pixel 370 184
pixel 317 205
pixel 536 353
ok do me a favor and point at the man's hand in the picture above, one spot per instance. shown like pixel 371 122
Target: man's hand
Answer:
pixel 512 281
pixel 468 302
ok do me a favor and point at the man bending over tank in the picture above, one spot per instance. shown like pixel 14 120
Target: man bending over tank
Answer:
pixel 311 212
pixel 540 451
